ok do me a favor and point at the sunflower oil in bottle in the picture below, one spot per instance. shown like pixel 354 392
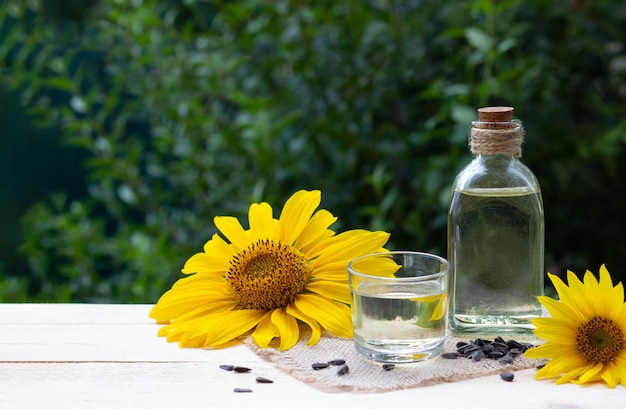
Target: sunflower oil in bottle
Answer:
pixel 495 232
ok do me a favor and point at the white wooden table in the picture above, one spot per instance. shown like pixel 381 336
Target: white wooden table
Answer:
pixel 109 356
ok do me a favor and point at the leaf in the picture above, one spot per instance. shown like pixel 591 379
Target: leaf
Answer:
pixel 478 39
pixel 507 44
pixel 462 114
pixel 78 104
pixel 59 83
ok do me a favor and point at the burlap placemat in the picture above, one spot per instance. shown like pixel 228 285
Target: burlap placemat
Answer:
pixel 367 376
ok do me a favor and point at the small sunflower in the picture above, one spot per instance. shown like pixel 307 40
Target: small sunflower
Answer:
pixel 267 279
pixel 586 333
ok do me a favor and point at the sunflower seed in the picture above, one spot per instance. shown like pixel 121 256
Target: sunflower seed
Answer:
pixel 343 369
pixel 514 344
pixel 507 359
pixel 388 367
pixel 498 348
pixel 488 348
pixel 499 345
pixel 507 376
pixel 242 390
pixel 320 365
pixel 477 355
pixel 261 379
pixel 227 367
pixel 540 366
pixel 495 354
pixel 337 362
pixel 241 369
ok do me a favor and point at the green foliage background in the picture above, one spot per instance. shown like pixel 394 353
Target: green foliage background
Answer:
pixel 184 110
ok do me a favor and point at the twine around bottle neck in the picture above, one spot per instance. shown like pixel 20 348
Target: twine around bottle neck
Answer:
pixel 488 140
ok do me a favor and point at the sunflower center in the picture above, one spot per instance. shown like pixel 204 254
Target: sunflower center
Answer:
pixel 267 275
pixel 600 340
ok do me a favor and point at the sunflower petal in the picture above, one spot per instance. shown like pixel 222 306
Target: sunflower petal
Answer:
pixel 206 263
pixel 565 295
pixel 232 230
pixel 218 247
pixel 611 374
pixel 345 247
pixel 591 373
pixel 619 367
pixel 331 289
pixel 316 331
pixel 613 296
pixel 288 328
pixel 558 366
pixel 296 214
pixel 555 331
pixel 560 310
pixel 573 374
pixel 334 316
pixel 262 223
pixel 549 350
pixel 265 331
pixel 223 327
pixel 174 304
pixel 316 230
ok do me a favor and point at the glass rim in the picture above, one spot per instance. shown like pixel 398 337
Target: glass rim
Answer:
pixel 513 121
pixel 438 274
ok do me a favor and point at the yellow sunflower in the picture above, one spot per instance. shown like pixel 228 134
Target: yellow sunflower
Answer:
pixel 267 278
pixel 586 333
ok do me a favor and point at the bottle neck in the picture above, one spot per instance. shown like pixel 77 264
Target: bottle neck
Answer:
pixel 497 138
pixel 495 161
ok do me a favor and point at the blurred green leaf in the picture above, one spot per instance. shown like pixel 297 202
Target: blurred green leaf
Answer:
pixel 479 39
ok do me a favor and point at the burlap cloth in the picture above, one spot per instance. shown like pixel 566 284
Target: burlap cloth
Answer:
pixel 368 376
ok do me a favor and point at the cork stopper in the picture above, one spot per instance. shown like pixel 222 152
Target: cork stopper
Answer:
pixel 495 132
pixel 495 114
pixel 495 117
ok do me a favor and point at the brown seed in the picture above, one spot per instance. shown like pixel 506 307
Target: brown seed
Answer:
pixel 241 369
pixel 227 367
pixel 242 390
pixel 507 376
pixel 388 367
pixel 337 362
pixel 261 379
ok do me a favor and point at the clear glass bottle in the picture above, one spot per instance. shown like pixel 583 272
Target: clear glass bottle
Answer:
pixel 495 232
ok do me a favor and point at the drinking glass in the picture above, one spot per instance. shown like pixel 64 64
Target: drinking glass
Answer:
pixel 399 305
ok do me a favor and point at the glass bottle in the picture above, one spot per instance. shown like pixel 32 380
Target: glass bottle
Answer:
pixel 495 232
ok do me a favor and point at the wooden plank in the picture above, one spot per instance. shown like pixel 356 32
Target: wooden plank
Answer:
pixel 20 314
pixel 83 332
pixel 91 343
pixel 109 356
pixel 196 384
